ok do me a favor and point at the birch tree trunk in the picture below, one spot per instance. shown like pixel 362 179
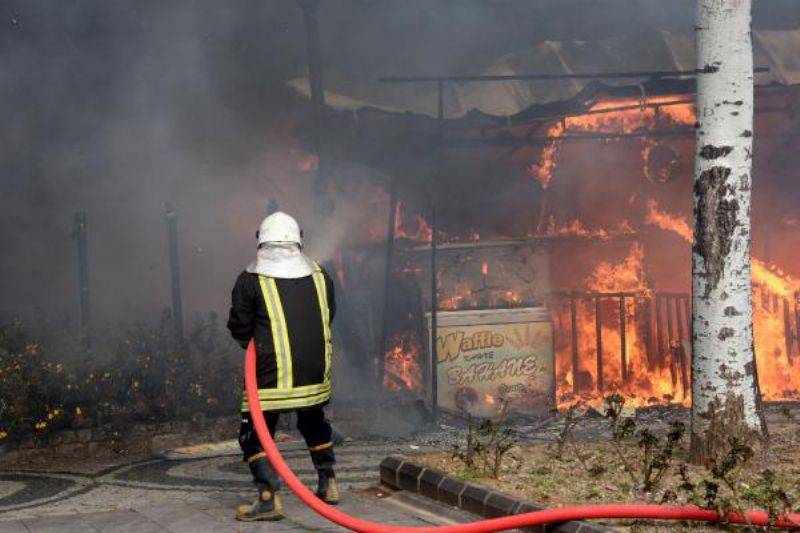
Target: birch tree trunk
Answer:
pixel 725 394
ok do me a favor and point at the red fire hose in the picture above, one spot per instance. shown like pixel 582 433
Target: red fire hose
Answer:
pixel 657 512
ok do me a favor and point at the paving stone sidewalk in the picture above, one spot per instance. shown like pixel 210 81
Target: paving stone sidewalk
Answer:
pixel 215 514
pixel 196 495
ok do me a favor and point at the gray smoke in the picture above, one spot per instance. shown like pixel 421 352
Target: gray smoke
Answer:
pixel 116 108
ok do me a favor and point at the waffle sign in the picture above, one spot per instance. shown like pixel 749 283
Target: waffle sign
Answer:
pixel 484 365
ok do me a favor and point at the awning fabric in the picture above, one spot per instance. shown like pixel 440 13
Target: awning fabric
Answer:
pixel 656 51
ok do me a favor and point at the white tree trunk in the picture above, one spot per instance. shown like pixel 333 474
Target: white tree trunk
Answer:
pixel 725 394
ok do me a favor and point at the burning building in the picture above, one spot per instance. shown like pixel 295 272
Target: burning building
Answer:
pixel 543 210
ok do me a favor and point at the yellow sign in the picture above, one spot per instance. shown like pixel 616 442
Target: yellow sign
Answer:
pixel 482 367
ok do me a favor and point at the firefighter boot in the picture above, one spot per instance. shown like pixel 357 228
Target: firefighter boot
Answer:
pixel 268 505
pixel 327 490
pixel 323 459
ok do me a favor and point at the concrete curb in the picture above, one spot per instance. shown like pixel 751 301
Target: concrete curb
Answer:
pixel 398 472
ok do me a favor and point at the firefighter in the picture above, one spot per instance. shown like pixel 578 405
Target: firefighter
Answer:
pixel 286 302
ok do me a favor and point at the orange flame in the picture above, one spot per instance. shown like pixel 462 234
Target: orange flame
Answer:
pixel 412 227
pixel 667 222
pixel 645 384
pixel 778 372
pixel 633 114
pixel 625 276
pixel 576 228
pixel 402 366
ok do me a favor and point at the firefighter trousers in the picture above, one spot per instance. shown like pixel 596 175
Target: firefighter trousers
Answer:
pixel 314 428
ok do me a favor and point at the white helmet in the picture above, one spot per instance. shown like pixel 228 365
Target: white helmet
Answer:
pixel 279 227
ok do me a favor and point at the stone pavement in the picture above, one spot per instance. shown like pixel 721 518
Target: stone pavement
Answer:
pixel 196 495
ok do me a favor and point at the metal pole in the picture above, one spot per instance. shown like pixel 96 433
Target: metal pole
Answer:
pixel 571 76
pixel 599 334
pixel 174 267
pixel 434 243
pixel 434 323
pixel 622 340
pixel 381 366
pixel 313 50
pixel 83 268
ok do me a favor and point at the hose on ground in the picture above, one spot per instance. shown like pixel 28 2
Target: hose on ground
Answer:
pixel 546 516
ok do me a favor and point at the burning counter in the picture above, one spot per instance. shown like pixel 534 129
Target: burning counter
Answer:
pixel 494 335
pixel 494 360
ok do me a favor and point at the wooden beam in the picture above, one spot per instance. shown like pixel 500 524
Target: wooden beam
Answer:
pixel 622 337
pixel 574 333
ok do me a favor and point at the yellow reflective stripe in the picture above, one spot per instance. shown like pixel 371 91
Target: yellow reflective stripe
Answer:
pixel 322 296
pixel 287 353
pixel 280 336
pixel 290 403
pixel 306 390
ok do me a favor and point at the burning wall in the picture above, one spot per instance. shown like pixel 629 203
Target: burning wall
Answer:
pixel 619 262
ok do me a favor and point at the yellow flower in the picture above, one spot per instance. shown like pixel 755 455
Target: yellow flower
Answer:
pixel 78 411
pixel 3 435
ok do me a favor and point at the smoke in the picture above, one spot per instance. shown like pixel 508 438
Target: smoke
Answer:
pixel 118 109
pixel 114 109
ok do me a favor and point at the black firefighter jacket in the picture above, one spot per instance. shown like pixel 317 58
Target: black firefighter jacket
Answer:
pixel 301 377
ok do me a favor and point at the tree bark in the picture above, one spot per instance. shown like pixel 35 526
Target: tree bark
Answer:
pixel 725 393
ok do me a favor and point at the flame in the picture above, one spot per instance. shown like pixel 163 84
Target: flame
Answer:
pixel 667 222
pixel 543 171
pixel 625 276
pixel 645 384
pixel 631 115
pixel 576 228
pixel 460 296
pixel 774 293
pixel 648 381
pixel 508 297
pixel 402 367
pixel 469 295
pixel 412 227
